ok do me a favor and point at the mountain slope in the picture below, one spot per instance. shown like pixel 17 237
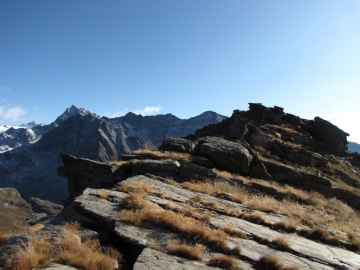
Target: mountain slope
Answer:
pixel 31 166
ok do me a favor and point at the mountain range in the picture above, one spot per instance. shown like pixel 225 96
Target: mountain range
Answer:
pixel 29 154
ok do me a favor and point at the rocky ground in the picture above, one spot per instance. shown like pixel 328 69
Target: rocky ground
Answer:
pixel 260 190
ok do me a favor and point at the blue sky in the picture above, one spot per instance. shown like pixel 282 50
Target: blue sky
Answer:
pixel 180 57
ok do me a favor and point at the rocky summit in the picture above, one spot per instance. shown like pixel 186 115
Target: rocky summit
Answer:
pixel 262 189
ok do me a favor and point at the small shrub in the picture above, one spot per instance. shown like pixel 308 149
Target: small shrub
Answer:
pixel 281 244
pixel 224 262
pixel 193 252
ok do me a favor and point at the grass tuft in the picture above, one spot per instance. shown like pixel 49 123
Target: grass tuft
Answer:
pixel 72 226
pixel 233 232
pixel 281 244
pixel 40 252
pixel 134 201
pixel 255 217
pixel 224 262
pixel 138 187
pixel 192 252
pixel 269 262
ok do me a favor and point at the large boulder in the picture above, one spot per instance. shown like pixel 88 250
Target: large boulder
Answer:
pixel 225 155
pixel 177 145
pixel 83 173
pixel 330 137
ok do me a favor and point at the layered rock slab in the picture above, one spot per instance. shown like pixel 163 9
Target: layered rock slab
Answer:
pixel 307 254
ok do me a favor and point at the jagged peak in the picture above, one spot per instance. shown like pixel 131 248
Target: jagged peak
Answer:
pixel 71 111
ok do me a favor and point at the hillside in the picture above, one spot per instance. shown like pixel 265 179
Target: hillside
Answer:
pixel 262 189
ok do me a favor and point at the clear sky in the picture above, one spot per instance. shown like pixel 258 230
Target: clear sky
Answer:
pixel 181 57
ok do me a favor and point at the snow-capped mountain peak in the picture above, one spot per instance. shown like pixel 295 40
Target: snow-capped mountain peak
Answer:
pixel 71 111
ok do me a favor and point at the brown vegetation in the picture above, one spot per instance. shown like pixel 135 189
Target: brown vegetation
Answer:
pixel 71 226
pixel 281 244
pixel 138 187
pixel 102 193
pixel 269 262
pixel 40 252
pixel 332 212
pixel 193 252
pixel 134 201
pixel 224 262
pixel 164 155
pixel 188 227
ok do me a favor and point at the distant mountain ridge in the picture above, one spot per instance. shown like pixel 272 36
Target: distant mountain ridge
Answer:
pixel 29 155
pixel 154 128
pixel 354 147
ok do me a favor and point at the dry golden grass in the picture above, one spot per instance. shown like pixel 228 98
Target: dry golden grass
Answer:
pixel 281 244
pixel 231 210
pixel 188 227
pixel 136 187
pixel 224 262
pixel 197 214
pixel 40 252
pixel 134 201
pixel 85 256
pixel 172 182
pixel 4 237
pixel 263 203
pixel 239 197
pixel 269 262
pixel 230 230
pixel 193 252
pixel 164 155
pixel 35 228
pixel 196 201
pixel 72 226
pixel 212 204
pixel 204 187
pixel 255 217
pixel 102 193
pixel 289 226
pixel 122 162
pixel 332 212
pixel 282 129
